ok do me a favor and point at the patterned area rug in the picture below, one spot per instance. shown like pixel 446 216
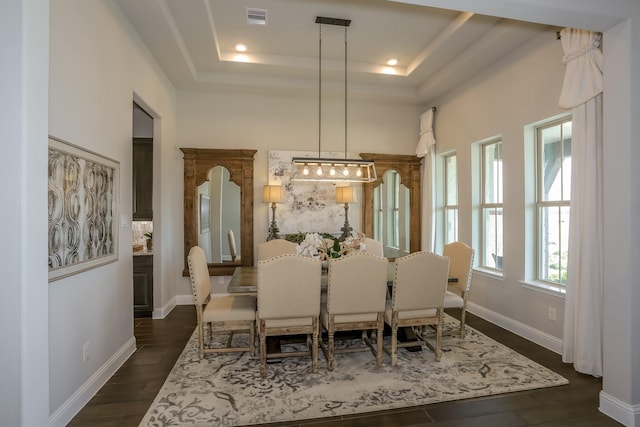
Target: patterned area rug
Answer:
pixel 227 390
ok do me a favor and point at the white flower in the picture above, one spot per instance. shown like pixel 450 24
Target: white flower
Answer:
pixel 311 245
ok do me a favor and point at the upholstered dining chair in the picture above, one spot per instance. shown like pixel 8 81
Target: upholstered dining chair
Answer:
pixel 461 266
pixel 275 247
pixel 221 313
pixel 356 298
pixel 289 304
pixel 417 300
pixel 373 246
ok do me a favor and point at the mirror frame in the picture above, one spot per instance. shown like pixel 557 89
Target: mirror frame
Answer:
pixel 239 163
pixel 408 168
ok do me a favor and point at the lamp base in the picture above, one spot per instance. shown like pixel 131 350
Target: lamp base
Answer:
pixel 346 228
pixel 273 229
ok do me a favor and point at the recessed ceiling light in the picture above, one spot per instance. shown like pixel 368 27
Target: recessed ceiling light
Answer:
pixel 392 62
pixel 241 58
pixel 241 48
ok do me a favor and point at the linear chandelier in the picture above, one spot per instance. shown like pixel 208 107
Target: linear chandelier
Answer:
pixel 328 169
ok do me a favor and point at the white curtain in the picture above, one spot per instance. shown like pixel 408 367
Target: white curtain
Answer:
pixel 426 148
pixel 582 92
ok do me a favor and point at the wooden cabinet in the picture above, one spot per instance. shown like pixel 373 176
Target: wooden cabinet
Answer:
pixel 142 285
pixel 142 179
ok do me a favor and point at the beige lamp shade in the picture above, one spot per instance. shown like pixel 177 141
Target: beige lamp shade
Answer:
pixel 273 194
pixel 345 195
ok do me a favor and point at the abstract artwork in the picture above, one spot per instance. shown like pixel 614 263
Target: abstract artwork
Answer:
pixel 82 208
pixel 309 206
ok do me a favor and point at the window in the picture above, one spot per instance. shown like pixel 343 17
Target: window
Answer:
pixel 395 208
pixel 389 224
pixel 553 195
pixel 491 205
pixel 378 214
pixel 450 199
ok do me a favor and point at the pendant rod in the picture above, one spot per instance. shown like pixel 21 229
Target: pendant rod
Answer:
pixel 345 92
pixel 319 87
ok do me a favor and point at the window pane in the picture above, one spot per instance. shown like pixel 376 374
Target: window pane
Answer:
pixel 378 212
pixel 555 162
pixel 553 247
pixel 451 177
pixel 492 170
pixel 566 161
pixel 492 220
pixel 451 221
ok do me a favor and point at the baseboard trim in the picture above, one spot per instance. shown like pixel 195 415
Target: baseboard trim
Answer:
pixel 162 312
pixel 184 299
pixel 622 412
pixel 525 331
pixel 70 408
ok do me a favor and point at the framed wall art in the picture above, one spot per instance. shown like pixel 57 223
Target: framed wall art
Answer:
pixel 309 206
pixel 83 214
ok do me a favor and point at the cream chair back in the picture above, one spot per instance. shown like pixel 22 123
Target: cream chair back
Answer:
pixel 199 274
pixel 460 265
pixel 289 287
pixel 275 247
pixel 357 284
pixel 373 246
pixel 420 281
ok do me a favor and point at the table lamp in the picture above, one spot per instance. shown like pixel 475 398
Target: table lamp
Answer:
pixel 273 194
pixel 345 195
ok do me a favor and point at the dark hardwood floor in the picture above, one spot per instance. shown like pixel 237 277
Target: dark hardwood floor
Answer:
pixel 125 398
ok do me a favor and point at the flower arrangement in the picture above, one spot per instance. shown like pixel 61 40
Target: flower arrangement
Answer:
pixel 320 246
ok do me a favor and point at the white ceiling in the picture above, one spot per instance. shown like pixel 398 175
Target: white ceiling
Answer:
pixel 437 49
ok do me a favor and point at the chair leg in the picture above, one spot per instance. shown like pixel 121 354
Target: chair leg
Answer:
pixel 314 348
pixel 201 340
pixel 394 344
pixel 330 344
pixel 438 349
pixel 462 322
pixel 252 337
pixel 263 349
pixel 379 342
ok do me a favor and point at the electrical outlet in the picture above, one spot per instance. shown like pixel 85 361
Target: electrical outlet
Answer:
pixel 86 351
pixel 551 314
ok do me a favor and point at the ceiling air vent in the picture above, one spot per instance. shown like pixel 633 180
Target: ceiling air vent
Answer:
pixel 256 16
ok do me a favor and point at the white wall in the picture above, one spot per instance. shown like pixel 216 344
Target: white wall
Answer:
pixel 618 20
pixel 273 122
pixel 96 67
pixel 24 368
pixel 513 93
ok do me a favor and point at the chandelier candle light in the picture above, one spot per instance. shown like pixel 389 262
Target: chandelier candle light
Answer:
pixel 273 194
pixel 345 195
pixel 326 169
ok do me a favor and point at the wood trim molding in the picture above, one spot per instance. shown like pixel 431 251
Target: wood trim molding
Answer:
pixel 408 167
pixel 239 163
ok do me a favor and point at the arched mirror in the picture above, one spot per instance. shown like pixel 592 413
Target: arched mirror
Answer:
pixel 391 204
pixel 218 207
pixel 219 217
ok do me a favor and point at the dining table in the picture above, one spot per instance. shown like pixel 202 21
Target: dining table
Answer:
pixel 245 279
